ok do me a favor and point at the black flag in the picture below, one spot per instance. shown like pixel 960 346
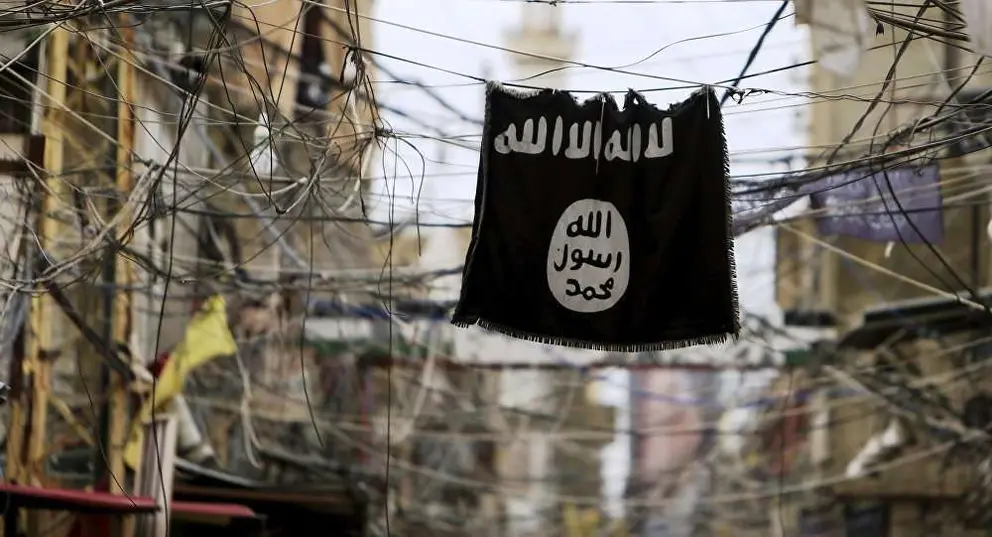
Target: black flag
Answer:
pixel 601 228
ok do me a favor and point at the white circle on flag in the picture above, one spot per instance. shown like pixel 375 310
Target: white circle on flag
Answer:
pixel 589 257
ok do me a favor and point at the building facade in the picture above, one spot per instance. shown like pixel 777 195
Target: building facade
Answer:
pixel 879 457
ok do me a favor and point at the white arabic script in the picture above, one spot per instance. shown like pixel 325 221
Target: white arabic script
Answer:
pixel 587 139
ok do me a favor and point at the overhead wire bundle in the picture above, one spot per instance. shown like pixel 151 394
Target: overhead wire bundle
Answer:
pixel 268 164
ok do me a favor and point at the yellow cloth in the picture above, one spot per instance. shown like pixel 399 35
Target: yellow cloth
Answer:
pixel 581 522
pixel 207 337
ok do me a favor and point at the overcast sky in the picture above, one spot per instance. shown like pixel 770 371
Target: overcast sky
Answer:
pixel 703 41
pixel 460 36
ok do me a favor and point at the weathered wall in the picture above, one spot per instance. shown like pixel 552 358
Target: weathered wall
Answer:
pixel 843 285
pixel 810 278
pixel 170 240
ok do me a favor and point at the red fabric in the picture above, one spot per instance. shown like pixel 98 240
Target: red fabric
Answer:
pixel 159 364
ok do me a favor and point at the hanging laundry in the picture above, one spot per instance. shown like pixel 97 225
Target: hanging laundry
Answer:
pixel 860 204
pixel 601 228
pixel 841 30
pixel 978 16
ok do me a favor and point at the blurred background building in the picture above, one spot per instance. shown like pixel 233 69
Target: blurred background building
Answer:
pixel 312 164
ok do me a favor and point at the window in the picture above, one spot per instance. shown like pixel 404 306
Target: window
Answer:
pixel 16 95
pixel 312 90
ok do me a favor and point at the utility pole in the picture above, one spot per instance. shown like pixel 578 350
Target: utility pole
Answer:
pixel 15 168
pixel 36 368
pixel 31 361
pixel 114 304
pixel 119 415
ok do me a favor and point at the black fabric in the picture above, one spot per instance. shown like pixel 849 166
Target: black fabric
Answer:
pixel 681 289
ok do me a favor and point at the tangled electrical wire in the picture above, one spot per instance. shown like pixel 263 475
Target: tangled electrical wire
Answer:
pixel 262 162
